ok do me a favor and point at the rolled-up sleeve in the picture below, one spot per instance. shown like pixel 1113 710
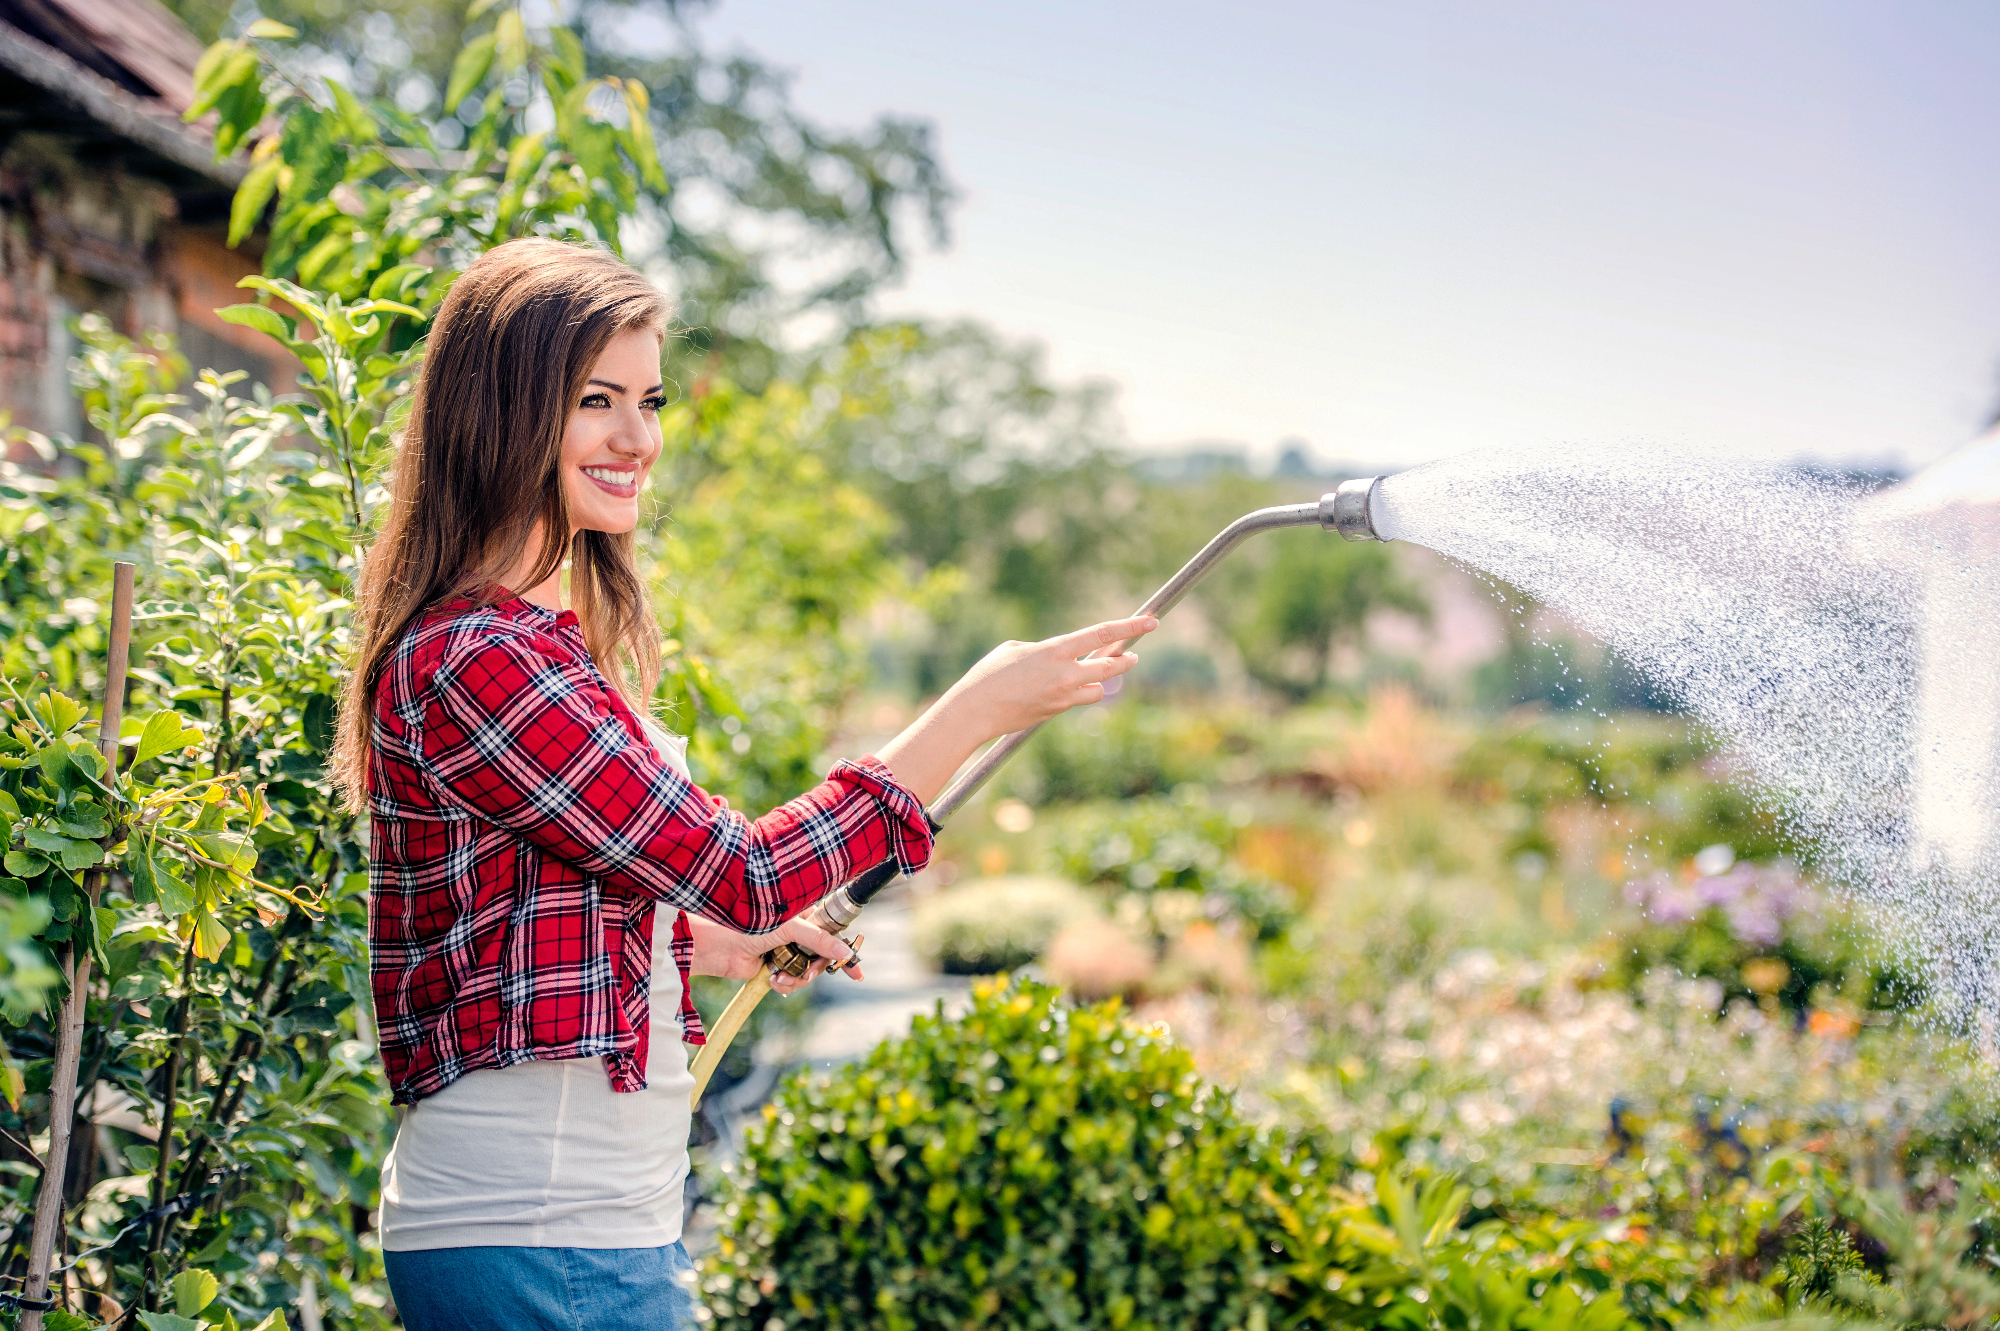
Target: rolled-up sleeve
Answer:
pixel 540 747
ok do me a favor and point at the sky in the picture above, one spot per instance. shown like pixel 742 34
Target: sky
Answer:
pixel 1401 230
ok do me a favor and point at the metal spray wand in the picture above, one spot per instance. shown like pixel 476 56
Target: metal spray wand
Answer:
pixel 1346 510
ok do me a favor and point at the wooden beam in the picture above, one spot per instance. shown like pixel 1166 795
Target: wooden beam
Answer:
pixel 113 107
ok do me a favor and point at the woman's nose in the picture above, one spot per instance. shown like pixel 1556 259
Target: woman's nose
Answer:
pixel 631 435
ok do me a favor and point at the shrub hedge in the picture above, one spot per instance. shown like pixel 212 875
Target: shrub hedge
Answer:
pixel 1032 1165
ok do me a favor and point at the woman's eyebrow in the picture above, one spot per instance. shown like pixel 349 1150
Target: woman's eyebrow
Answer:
pixel 606 383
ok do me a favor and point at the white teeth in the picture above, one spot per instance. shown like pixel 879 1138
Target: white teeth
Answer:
pixel 610 477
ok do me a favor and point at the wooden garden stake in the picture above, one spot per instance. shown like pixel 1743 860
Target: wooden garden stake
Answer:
pixel 76 967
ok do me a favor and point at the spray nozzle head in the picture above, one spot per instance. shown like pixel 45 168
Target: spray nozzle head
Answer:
pixel 1348 509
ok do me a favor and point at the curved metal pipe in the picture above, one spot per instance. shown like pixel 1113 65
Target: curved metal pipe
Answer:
pixel 1346 511
pixel 968 782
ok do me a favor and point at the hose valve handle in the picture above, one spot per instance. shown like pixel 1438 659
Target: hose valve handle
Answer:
pixel 832 912
pixel 1349 510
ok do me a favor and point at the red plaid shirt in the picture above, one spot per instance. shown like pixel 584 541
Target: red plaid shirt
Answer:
pixel 522 832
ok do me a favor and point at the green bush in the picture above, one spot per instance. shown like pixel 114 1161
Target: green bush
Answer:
pixel 1038 1166
pixel 1120 751
pixel 1027 1166
pixel 1661 776
pixel 997 924
pixel 1164 853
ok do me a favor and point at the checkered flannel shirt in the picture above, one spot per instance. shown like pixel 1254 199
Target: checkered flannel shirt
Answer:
pixel 523 831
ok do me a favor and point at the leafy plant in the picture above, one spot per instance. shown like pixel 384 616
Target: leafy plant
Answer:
pixel 1935 1276
pixel 1165 861
pixel 997 924
pixel 1820 1259
pixel 1761 935
pixel 1029 1165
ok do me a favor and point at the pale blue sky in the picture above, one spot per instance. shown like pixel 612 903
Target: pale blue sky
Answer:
pixel 1399 230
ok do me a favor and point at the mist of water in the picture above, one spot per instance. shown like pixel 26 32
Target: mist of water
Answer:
pixel 1845 646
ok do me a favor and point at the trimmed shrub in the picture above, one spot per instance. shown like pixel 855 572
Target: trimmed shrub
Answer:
pixel 998 924
pixel 1028 1166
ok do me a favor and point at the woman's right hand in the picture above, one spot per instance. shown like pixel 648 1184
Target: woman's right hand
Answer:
pixel 1016 685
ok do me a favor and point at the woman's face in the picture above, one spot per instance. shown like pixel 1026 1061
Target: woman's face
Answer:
pixel 614 435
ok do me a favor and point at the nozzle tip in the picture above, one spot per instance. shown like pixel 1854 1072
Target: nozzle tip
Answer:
pixel 1348 509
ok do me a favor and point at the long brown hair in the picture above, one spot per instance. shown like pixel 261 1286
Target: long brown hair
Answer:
pixel 479 464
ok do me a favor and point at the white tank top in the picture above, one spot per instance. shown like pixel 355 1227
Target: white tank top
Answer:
pixel 545 1154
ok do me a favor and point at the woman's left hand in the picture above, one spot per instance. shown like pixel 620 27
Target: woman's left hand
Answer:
pixel 720 950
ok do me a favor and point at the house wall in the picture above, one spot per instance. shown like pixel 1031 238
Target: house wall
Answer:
pixel 76 241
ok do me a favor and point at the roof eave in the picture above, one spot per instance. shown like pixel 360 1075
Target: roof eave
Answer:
pixel 112 106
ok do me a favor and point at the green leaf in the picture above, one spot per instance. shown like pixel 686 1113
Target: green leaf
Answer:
pixel 54 758
pixel 7 805
pixel 58 711
pixel 361 128
pixel 525 155
pixel 468 71
pixel 193 1291
pixel 569 54
pixel 318 723
pixel 103 921
pixel 235 851
pixel 260 317
pixel 210 935
pixel 72 853
pixel 270 30
pixel 86 758
pixel 58 1320
pixel 167 1322
pixel 175 897
pixel 369 307
pixel 247 208
pixel 163 729
pixel 24 863
pixel 392 284
pixel 239 111
pixel 639 135
pixel 290 292
pixel 211 70
pixel 313 148
pixel 510 38
pixel 275 1322
pixel 139 864
pixel 220 66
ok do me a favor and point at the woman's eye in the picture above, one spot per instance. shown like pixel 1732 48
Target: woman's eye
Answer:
pixel 597 400
pixel 654 403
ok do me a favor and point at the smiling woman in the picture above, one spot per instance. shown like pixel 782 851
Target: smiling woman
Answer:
pixel 614 434
pixel 529 822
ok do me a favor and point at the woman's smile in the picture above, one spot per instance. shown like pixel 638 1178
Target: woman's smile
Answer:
pixel 620 481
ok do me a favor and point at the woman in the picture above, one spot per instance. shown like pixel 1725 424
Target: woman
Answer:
pixel 545 875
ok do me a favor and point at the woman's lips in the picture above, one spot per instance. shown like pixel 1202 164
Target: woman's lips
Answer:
pixel 625 487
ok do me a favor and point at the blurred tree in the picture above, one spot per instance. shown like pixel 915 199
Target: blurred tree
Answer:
pixel 1284 600
pixel 773 218
pixel 990 473
pixel 1314 591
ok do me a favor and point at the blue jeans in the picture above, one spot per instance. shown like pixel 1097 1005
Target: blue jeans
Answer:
pixel 543 1289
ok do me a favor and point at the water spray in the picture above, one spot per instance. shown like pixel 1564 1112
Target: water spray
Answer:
pixel 1350 510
